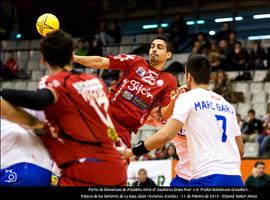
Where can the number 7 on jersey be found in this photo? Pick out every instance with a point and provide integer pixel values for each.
(224, 125)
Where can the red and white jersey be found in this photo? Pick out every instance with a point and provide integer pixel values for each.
(139, 89)
(81, 112)
(182, 167)
(210, 127)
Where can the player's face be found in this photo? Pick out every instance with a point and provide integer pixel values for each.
(158, 52)
(260, 169)
(142, 176)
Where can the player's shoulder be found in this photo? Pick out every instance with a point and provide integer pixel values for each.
(169, 79)
(53, 80)
(185, 97)
(125, 57)
(220, 99)
(215, 95)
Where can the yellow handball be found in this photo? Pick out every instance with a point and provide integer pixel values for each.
(47, 23)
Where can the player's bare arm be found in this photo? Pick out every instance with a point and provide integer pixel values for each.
(167, 111)
(97, 62)
(19, 116)
(164, 135)
(240, 145)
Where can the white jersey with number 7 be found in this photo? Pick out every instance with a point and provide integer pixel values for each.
(210, 127)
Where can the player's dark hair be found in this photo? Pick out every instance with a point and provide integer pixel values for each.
(259, 163)
(252, 111)
(237, 42)
(199, 68)
(142, 170)
(166, 40)
(57, 48)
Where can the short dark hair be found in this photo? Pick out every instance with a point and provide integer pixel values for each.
(252, 111)
(259, 163)
(142, 170)
(168, 42)
(57, 48)
(237, 42)
(199, 68)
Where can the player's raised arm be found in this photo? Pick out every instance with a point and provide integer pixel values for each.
(167, 111)
(97, 62)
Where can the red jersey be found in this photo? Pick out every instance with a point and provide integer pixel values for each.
(81, 113)
(140, 89)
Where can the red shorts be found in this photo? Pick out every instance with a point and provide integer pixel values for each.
(94, 174)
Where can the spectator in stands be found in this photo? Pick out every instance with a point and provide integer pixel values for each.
(267, 76)
(232, 39)
(257, 56)
(239, 58)
(224, 54)
(95, 48)
(258, 177)
(115, 32)
(214, 56)
(81, 48)
(171, 153)
(162, 32)
(109, 75)
(239, 121)
(264, 139)
(197, 48)
(160, 153)
(252, 128)
(223, 85)
(144, 180)
(202, 39)
(103, 36)
(224, 33)
(10, 68)
(178, 31)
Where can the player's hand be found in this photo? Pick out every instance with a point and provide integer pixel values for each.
(182, 89)
(48, 129)
(156, 115)
(126, 153)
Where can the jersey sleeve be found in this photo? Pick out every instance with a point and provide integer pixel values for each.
(51, 83)
(183, 106)
(122, 61)
(45, 83)
(166, 98)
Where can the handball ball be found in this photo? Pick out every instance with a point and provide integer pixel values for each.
(47, 23)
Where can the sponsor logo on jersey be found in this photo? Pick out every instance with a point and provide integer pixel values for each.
(123, 57)
(141, 71)
(139, 88)
(160, 82)
(127, 95)
(137, 101)
(150, 77)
